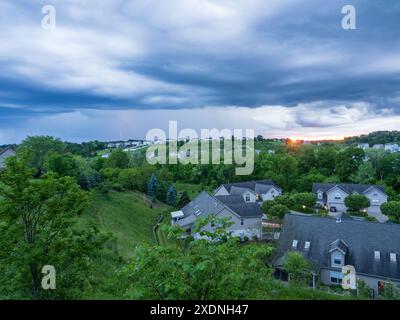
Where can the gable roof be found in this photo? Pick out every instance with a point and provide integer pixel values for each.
(237, 204)
(361, 237)
(203, 205)
(3, 150)
(252, 185)
(349, 188)
(338, 244)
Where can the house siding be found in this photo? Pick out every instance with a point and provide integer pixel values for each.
(251, 226)
(6, 154)
(370, 281)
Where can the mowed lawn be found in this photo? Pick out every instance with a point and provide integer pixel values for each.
(127, 215)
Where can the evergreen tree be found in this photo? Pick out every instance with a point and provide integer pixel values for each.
(170, 199)
(152, 187)
(183, 199)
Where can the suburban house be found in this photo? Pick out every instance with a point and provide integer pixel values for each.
(392, 147)
(4, 154)
(332, 195)
(251, 191)
(363, 146)
(378, 146)
(372, 248)
(241, 202)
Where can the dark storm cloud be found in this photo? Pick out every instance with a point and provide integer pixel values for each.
(193, 54)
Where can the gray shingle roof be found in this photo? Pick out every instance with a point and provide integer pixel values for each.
(250, 184)
(347, 187)
(203, 205)
(237, 204)
(363, 239)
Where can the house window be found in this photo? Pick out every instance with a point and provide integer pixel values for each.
(247, 197)
(337, 196)
(336, 277)
(377, 255)
(375, 200)
(337, 258)
(294, 244)
(320, 195)
(393, 257)
(241, 221)
(307, 245)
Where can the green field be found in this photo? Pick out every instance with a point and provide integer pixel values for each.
(127, 215)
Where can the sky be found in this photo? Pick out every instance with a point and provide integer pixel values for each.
(114, 69)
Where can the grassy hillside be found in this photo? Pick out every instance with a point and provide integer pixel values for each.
(126, 214)
(192, 189)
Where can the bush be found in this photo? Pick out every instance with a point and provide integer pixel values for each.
(357, 213)
(105, 187)
(117, 186)
(391, 208)
(356, 202)
(128, 179)
(267, 206)
(373, 219)
(304, 199)
(279, 211)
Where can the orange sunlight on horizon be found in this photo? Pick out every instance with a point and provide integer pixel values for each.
(322, 137)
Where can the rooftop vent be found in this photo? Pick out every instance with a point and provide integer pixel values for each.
(377, 255)
(294, 244)
(393, 257)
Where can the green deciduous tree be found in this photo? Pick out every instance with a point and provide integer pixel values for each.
(304, 199)
(35, 149)
(117, 159)
(391, 208)
(348, 161)
(37, 224)
(201, 269)
(298, 267)
(356, 202)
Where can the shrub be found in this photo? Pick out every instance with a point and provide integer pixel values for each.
(128, 178)
(304, 199)
(279, 211)
(356, 202)
(391, 208)
(117, 186)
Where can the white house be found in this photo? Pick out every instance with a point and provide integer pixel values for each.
(251, 191)
(392, 147)
(4, 154)
(331, 195)
(363, 146)
(241, 202)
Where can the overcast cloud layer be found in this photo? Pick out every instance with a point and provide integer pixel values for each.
(282, 67)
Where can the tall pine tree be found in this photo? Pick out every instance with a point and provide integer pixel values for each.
(183, 199)
(152, 187)
(171, 196)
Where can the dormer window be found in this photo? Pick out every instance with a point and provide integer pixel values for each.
(393, 257)
(294, 243)
(247, 197)
(307, 245)
(377, 255)
(337, 258)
